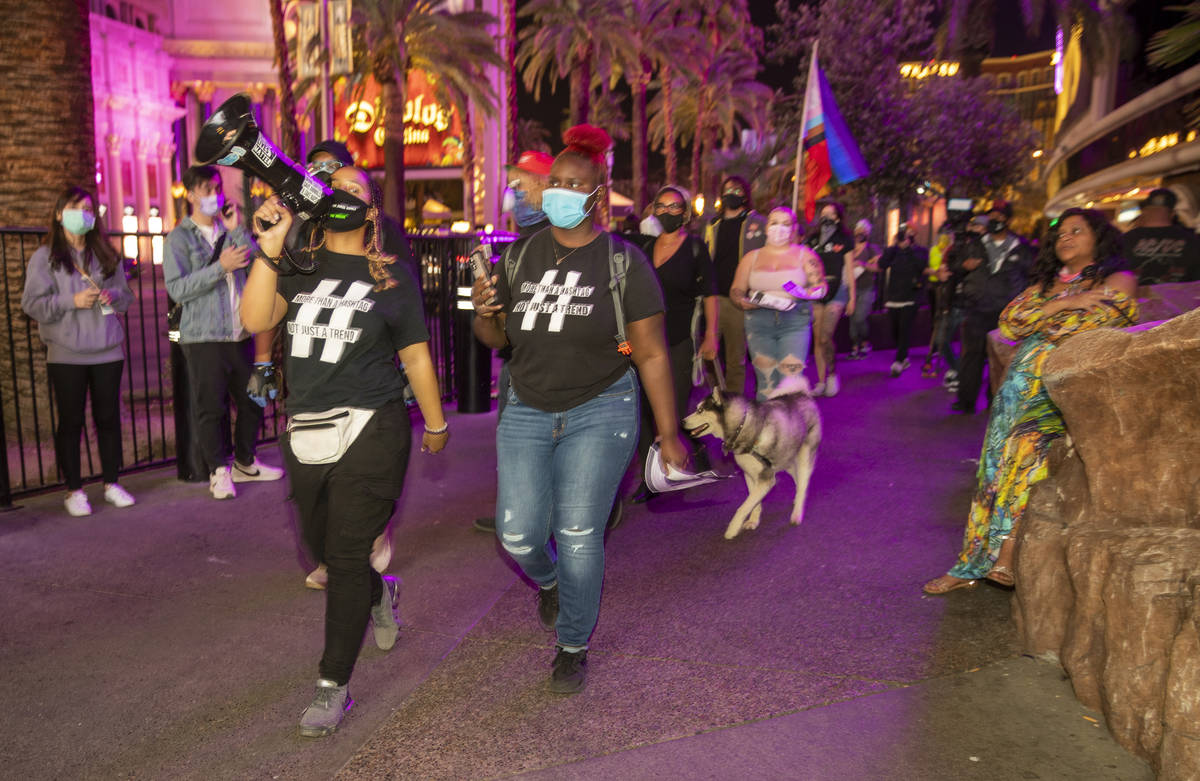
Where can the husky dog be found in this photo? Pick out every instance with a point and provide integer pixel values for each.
(780, 434)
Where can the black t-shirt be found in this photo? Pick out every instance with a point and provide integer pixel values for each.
(561, 321)
(1170, 253)
(688, 273)
(832, 252)
(728, 251)
(342, 335)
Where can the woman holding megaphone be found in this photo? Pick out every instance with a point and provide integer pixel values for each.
(349, 436)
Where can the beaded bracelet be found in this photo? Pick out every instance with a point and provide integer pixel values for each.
(445, 427)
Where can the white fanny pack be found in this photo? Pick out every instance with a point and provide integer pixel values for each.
(324, 437)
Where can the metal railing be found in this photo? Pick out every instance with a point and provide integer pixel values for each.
(150, 426)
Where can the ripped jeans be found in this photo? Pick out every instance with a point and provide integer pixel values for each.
(559, 473)
(778, 343)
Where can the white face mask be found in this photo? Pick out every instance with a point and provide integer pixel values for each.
(779, 235)
(210, 205)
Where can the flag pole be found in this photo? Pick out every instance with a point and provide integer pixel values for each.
(796, 205)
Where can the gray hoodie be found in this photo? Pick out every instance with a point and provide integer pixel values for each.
(73, 335)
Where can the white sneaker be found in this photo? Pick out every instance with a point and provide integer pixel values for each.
(381, 552)
(221, 484)
(318, 578)
(256, 471)
(77, 504)
(818, 389)
(832, 385)
(118, 496)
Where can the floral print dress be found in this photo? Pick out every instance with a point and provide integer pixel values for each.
(1024, 420)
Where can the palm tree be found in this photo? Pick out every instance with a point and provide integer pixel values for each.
(722, 91)
(454, 49)
(712, 108)
(290, 132)
(1176, 45)
(46, 54)
(657, 34)
(509, 19)
(569, 39)
(531, 134)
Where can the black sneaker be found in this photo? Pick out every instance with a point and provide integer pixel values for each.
(547, 606)
(487, 524)
(570, 672)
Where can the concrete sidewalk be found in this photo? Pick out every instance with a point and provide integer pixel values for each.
(175, 639)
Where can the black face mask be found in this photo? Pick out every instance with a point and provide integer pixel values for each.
(669, 222)
(997, 226)
(828, 222)
(733, 201)
(348, 213)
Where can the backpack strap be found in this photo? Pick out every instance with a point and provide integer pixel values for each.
(511, 265)
(618, 267)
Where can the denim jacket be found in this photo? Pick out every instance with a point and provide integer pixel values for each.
(203, 288)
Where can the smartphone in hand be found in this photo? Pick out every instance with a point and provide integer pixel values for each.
(481, 265)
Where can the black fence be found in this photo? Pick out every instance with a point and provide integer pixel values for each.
(154, 422)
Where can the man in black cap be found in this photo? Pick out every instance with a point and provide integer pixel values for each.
(988, 284)
(1159, 248)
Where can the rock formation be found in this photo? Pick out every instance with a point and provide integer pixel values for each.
(1108, 564)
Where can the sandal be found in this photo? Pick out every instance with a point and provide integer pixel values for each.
(945, 584)
(1002, 576)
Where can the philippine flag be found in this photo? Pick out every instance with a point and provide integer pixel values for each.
(826, 146)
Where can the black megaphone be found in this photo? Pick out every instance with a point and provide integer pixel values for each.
(231, 137)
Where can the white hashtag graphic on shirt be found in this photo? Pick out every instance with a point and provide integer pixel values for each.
(337, 333)
(534, 306)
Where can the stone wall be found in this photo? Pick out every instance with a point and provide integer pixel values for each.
(1108, 563)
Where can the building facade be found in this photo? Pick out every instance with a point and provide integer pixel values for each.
(160, 67)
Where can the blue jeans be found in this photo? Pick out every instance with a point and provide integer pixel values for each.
(949, 325)
(778, 344)
(859, 330)
(559, 473)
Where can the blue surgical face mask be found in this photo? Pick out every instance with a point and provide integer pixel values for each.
(526, 215)
(78, 221)
(210, 205)
(565, 208)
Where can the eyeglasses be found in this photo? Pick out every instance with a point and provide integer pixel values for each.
(674, 208)
(324, 167)
(1071, 233)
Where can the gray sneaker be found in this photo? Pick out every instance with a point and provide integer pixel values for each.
(328, 707)
(383, 615)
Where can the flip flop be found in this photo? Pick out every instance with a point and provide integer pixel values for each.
(945, 584)
(1002, 576)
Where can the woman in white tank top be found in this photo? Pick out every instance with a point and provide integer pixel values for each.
(776, 285)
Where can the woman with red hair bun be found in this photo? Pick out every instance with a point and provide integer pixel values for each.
(582, 310)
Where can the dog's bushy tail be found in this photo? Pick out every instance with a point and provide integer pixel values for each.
(795, 383)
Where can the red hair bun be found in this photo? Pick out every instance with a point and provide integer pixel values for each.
(589, 141)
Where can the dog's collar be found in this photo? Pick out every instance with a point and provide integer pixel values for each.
(737, 431)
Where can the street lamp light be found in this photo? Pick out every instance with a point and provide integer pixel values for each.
(154, 224)
(129, 226)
